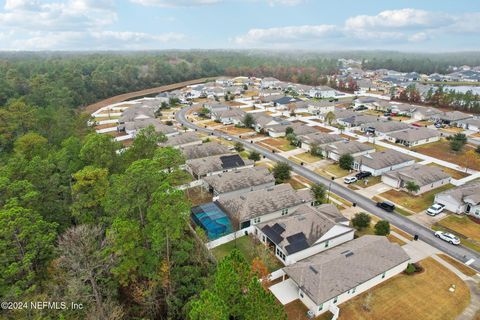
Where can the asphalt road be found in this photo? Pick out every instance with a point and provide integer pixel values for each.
(459, 252)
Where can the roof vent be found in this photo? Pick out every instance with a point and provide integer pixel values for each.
(243, 198)
(348, 254)
(313, 270)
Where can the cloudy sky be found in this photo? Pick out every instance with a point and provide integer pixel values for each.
(426, 25)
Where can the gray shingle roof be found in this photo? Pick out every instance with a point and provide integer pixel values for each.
(204, 150)
(139, 124)
(467, 191)
(136, 112)
(348, 147)
(303, 228)
(320, 138)
(415, 134)
(236, 180)
(332, 272)
(180, 139)
(453, 116)
(216, 163)
(420, 174)
(386, 126)
(260, 202)
(383, 159)
(357, 120)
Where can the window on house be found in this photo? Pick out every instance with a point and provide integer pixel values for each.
(326, 244)
(353, 290)
(335, 300)
(301, 294)
(320, 307)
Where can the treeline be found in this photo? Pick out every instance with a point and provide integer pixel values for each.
(440, 97)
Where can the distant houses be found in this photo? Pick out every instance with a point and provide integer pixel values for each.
(463, 199)
(414, 136)
(212, 165)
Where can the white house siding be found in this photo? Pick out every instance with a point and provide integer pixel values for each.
(216, 172)
(416, 143)
(336, 157)
(276, 134)
(358, 290)
(320, 110)
(394, 183)
(217, 195)
(432, 186)
(270, 216)
(450, 203)
(321, 245)
(378, 172)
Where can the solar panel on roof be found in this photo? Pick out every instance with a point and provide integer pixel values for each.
(278, 228)
(296, 237)
(297, 246)
(232, 161)
(272, 235)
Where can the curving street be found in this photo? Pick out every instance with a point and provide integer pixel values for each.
(459, 252)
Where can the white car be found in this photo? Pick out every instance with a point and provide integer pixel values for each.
(435, 209)
(448, 237)
(228, 138)
(349, 180)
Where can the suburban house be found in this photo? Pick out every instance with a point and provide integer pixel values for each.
(402, 109)
(339, 114)
(258, 206)
(335, 150)
(425, 113)
(414, 136)
(285, 101)
(279, 130)
(211, 165)
(239, 181)
(368, 102)
(269, 82)
(224, 81)
(334, 276)
(470, 124)
(382, 161)
(451, 117)
(182, 140)
(228, 116)
(356, 120)
(320, 107)
(309, 230)
(262, 121)
(318, 138)
(425, 177)
(322, 92)
(133, 127)
(382, 128)
(461, 199)
(204, 150)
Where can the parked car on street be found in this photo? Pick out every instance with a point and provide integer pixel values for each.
(387, 206)
(448, 237)
(435, 209)
(349, 180)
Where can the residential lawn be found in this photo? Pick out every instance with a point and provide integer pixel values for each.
(209, 123)
(455, 174)
(400, 118)
(368, 182)
(247, 109)
(295, 183)
(244, 154)
(304, 180)
(462, 225)
(296, 310)
(466, 270)
(421, 296)
(308, 157)
(322, 129)
(250, 248)
(394, 239)
(376, 146)
(106, 125)
(234, 130)
(339, 199)
(452, 129)
(401, 232)
(423, 123)
(278, 143)
(234, 103)
(441, 150)
(106, 118)
(198, 195)
(332, 170)
(414, 203)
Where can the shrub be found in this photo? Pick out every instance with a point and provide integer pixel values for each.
(346, 162)
(411, 269)
(361, 220)
(382, 228)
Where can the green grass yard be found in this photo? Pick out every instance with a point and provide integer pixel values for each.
(250, 248)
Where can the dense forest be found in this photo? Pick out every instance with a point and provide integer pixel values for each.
(81, 222)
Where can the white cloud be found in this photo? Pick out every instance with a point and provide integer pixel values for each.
(403, 18)
(286, 34)
(176, 3)
(285, 2)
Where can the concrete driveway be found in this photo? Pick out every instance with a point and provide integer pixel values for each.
(285, 291)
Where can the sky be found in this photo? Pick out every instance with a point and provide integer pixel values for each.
(404, 25)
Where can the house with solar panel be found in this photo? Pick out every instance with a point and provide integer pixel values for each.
(326, 279)
(307, 231)
(212, 165)
(259, 206)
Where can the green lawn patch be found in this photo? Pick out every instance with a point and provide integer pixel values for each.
(250, 248)
(332, 170)
(308, 157)
(414, 203)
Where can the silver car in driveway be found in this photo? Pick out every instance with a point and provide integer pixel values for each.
(448, 237)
